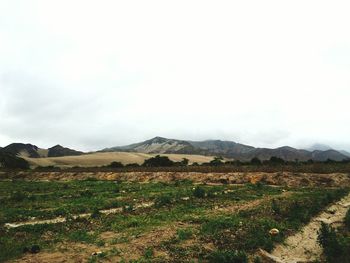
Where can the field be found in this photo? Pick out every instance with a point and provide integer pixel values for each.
(139, 217)
(105, 158)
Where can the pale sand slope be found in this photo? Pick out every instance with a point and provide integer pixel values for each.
(303, 246)
(98, 159)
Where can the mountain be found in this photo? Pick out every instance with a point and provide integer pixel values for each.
(27, 150)
(58, 150)
(319, 147)
(11, 161)
(33, 151)
(227, 149)
(156, 145)
(345, 153)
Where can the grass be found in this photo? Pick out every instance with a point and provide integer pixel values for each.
(335, 242)
(188, 213)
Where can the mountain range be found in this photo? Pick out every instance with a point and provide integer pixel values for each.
(228, 149)
(160, 145)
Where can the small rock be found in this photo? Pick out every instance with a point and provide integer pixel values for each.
(96, 253)
(274, 232)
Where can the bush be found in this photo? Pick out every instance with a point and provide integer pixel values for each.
(184, 234)
(199, 192)
(328, 240)
(18, 196)
(255, 161)
(217, 161)
(158, 161)
(96, 214)
(115, 165)
(162, 200)
(347, 220)
(228, 257)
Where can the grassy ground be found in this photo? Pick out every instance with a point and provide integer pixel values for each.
(222, 223)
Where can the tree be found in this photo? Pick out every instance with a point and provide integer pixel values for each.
(255, 161)
(216, 161)
(276, 160)
(116, 165)
(184, 161)
(158, 161)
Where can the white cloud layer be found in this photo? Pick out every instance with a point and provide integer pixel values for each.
(92, 74)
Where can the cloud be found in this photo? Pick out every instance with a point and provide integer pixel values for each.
(92, 74)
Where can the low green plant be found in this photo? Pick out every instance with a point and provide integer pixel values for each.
(184, 234)
(225, 256)
(163, 200)
(347, 220)
(199, 192)
(329, 241)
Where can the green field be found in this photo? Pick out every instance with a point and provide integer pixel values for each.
(152, 222)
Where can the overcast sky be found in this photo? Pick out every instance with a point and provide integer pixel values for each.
(95, 74)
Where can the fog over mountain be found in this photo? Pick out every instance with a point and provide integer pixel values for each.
(93, 74)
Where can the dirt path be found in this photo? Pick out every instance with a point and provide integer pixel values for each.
(63, 219)
(303, 246)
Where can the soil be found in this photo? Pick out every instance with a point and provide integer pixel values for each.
(303, 246)
(279, 178)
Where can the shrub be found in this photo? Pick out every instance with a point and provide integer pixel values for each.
(162, 200)
(328, 240)
(199, 192)
(255, 161)
(347, 220)
(158, 161)
(184, 234)
(18, 196)
(217, 161)
(275, 207)
(215, 225)
(115, 165)
(228, 257)
(96, 214)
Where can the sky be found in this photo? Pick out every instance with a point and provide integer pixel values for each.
(93, 74)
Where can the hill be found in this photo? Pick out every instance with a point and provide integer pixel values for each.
(105, 158)
(58, 150)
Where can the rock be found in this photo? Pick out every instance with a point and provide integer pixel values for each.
(96, 253)
(274, 232)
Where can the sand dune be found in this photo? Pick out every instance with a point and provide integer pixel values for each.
(104, 158)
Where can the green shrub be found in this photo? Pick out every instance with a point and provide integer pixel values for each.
(158, 161)
(275, 207)
(216, 225)
(228, 257)
(96, 214)
(149, 252)
(199, 192)
(18, 196)
(184, 234)
(328, 240)
(115, 165)
(347, 220)
(163, 200)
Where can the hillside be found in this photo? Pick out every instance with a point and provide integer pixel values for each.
(58, 150)
(227, 149)
(105, 158)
